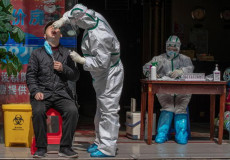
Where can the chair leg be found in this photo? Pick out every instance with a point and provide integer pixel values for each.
(52, 138)
(33, 147)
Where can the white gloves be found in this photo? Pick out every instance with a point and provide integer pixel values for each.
(176, 73)
(77, 58)
(59, 23)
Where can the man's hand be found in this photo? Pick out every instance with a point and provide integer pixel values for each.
(39, 96)
(77, 58)
(58, 66)
(176, 73)
(59, 23)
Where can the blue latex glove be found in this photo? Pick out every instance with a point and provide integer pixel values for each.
(48, 49)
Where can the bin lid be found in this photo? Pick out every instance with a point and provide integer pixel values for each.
(16, 107)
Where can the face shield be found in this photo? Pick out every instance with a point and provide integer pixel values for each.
(83, 17)
(69, 30)
(78, 12)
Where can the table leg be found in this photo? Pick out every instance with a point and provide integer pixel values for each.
(212, 115)
(143, 111)
(221, 118)
(150, 112)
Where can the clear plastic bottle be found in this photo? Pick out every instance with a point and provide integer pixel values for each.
(216, 74)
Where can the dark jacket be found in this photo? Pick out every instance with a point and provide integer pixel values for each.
(41, 76)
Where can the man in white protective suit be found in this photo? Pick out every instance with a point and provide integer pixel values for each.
(101, 50)
(172, 65)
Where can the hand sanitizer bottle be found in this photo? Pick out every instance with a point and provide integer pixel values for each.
(216, 74)
(153, 75)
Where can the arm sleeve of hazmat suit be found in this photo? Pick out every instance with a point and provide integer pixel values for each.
(101, 60)
(67, 15)
(160, 63)
(62, 21)
(187, 65)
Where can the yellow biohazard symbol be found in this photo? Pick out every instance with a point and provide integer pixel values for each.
(18, 120)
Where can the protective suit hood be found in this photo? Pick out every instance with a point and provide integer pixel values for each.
(173, 41)
(82, 16)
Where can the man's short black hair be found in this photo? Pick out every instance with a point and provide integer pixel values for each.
(47, 25)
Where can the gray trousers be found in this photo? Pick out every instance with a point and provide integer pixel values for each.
(174, 103)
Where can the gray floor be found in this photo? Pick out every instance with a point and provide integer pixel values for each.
(197, 148)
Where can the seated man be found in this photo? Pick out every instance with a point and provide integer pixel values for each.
(172, 65)
(49, 69)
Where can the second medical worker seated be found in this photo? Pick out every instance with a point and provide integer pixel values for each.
(172, 65)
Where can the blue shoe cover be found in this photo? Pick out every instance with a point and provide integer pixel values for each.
(92, 148)
(98, 153)
(180, 122)
(164, 123)
(161, 137)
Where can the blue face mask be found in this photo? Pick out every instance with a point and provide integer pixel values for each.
(171, 53)
(48, 49)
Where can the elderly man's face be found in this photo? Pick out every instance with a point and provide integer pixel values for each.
(52, 33)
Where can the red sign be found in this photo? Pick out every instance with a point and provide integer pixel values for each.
(13, 89)
(31, 16)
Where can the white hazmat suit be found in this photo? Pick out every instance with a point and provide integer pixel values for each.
(101, 50)
(172, 65)
(168, 65)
